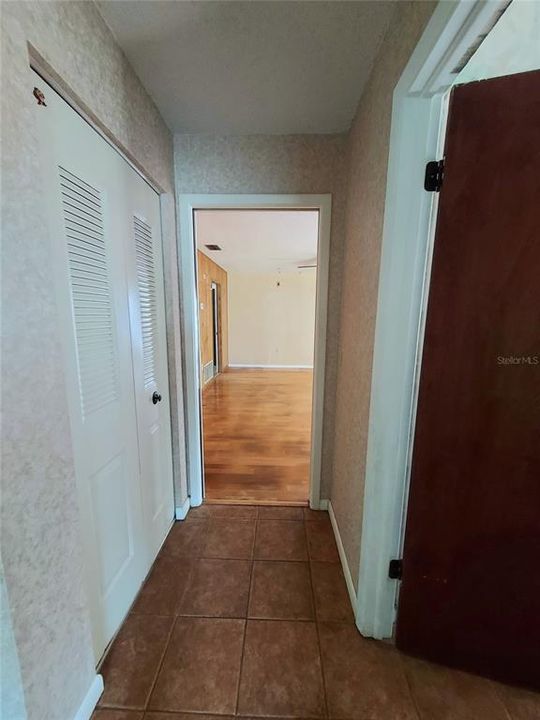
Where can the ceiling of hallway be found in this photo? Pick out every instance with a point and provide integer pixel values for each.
(259, 240)
(251, 67)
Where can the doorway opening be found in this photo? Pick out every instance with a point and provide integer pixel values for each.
(256, 284)
(201, 386)
(216, 332)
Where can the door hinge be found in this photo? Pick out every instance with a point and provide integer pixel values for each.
(395, 569)
(433, 179)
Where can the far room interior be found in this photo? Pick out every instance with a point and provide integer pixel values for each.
(256, 281)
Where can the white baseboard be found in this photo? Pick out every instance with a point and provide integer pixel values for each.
(90, 699)
(272, 367)
(323, 504)
(181, 512)
(343, 558)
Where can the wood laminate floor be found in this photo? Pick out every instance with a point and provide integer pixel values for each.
(257, 436)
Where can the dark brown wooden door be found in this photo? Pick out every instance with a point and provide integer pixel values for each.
(470, 595)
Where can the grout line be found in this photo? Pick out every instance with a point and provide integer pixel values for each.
(323, 678)
(259, 559)
(241, 661)
(180, 600)
(201, 713)
(160, 664)
(190, 560)
(278, 619)
(247, 615)
(409, 687)
(500, 697)
(252, 617)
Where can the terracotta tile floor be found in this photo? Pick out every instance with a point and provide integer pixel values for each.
(246, 613)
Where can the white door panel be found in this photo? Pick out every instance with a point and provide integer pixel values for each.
(91, 196)
(149, 360)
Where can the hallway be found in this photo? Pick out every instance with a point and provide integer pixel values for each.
(358, 177)
(257, 430)
(246, 613)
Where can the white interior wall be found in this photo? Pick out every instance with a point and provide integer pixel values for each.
(272, 318)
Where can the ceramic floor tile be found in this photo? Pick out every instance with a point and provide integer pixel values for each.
(316, 515)
(133, 660)
(233, 512)
(183, 716)
(321, 542)
(280, 540)
(521, 704)
(281, 590)
(365, 679)
(107, 714)
(217, 588)
(230, 539)
(445, 694)
(332, 600)
(281, 670)
(165, 586)
(186, 538)
(281, 673)
(201, 512)
(201, 667)
(280, 512)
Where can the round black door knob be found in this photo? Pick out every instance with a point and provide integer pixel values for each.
(156, 397)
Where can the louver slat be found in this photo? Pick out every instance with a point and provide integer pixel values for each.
(147, 298)
(90, 292)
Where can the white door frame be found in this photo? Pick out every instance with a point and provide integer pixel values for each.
(419, 113)
(187, 204)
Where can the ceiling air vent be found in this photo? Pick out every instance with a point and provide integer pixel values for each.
(212, 247)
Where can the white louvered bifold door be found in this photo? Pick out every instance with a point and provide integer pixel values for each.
(148, 332)
(95, 224)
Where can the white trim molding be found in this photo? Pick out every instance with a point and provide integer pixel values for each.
(343, 557)
(417, 135)
(90, 700)
(187, 205)
(181, 511)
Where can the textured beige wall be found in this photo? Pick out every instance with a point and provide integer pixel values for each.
(368, 147)
(11, 691)
(278, 164)
(272, 318)
(39, 517)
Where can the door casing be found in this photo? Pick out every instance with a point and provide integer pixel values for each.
(418, 127)
(187, 205)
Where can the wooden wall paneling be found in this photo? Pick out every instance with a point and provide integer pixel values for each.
(208, 272)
